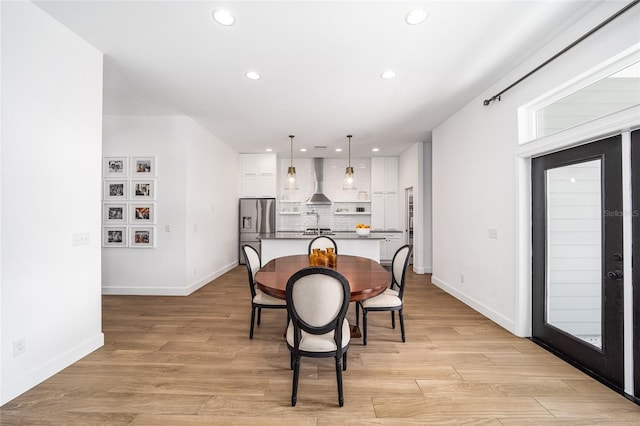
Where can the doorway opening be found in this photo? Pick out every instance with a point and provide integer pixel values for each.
(408, 229)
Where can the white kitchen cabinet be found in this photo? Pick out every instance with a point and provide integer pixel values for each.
(391, 175)
(258, 164)
(267, 164)
(377, 175)
(390, 243)
(377, 212)
(258, 186)
(391, 216)
(258, 175)
(384, 175)
(384, 194)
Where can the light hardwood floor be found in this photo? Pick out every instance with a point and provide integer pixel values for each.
(189, 360)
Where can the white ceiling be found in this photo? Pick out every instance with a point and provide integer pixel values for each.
(320, 64)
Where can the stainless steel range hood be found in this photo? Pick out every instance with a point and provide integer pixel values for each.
(318, 198)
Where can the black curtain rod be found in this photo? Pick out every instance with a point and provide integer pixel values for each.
(602, 24)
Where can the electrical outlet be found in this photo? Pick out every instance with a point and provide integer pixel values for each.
(19, 347)
(493, 233)
(167, 228)
(195, 271)
(461, 278)
(80, 238)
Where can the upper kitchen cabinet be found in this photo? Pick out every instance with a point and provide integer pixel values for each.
(384, 175)
(258, 175)
(384, 194)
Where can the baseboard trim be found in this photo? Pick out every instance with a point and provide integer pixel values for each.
(206, 280)
(494, 316)
(124, 290)
(50, 368)
(422, 269)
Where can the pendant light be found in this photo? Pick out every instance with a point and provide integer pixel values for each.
(349, 184)
(291, 183)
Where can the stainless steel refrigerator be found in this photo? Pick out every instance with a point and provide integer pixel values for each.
(257, 217)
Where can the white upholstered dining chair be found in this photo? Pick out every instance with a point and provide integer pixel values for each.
(317, 303)
(392, 299)
(259, 299)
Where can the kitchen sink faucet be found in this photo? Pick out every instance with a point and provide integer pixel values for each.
(314, 213)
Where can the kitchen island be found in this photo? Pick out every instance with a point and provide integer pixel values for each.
(295, 242)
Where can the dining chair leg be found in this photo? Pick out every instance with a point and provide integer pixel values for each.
(253, 318)
(344, 361)
(339, 380)
(401, 325)
(364, 326)
(259, 315)
(296, 374)
(393, 320)
(357, 314)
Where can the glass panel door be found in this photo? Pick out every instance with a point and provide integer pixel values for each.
(574, 256)
(577, 309)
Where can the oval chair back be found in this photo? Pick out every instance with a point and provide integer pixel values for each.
(399, 268)
(322, 242)
(253, 263)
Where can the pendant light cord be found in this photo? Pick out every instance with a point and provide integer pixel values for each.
(291, 156)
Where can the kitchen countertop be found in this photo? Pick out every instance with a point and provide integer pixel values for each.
(298, 235)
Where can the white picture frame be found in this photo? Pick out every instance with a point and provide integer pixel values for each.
(143, 213)
(114, 236)
(115, 167)
(143, 189)
(143, 167)
(115, 213)
(142, 237)
(116, 189)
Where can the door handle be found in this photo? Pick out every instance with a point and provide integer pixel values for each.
(617, 257)
(615, 275)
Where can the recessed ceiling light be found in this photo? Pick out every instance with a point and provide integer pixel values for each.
(387, 75)
(252, 75)
(375, 149)
(223, 17)
(416, 16)
(269, 150)
(303, 149)
(338, 149)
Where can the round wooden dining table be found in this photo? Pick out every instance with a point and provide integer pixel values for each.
(367, 278)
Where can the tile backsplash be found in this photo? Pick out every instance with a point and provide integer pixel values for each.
(341, 214)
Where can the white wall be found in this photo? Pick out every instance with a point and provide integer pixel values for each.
(212, 208)
(194, 199)
(475, 174)
(51, 150)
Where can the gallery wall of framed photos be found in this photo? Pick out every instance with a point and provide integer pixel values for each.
(128, 207)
